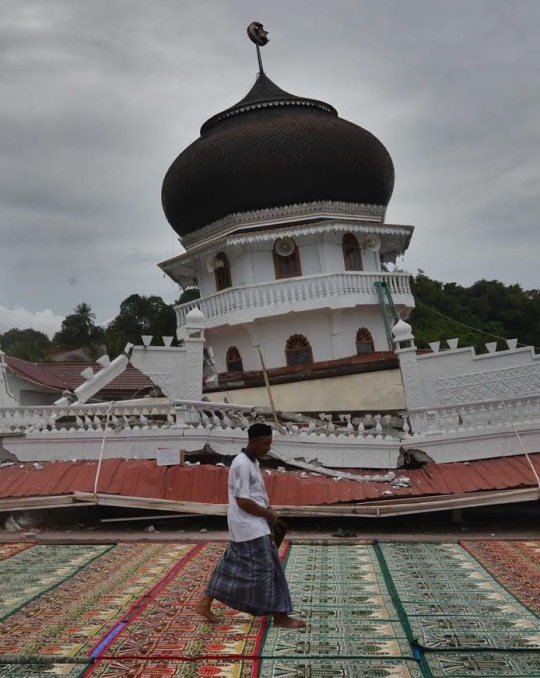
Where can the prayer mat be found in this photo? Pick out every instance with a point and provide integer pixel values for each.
(167, 626)
(42, 670)
(338, 668)
(152, 668)
(483, 664)
(8, 549)
(314, 668)
(69, 620)
(514, 564)
(30, 573)
(448, 575)
(361, 621)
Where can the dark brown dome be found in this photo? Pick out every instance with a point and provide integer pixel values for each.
(274, 149)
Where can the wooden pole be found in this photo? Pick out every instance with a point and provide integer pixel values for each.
(268, 390)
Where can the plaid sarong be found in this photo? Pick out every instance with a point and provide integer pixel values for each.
(250, 578)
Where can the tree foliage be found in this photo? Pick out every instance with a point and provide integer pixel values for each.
(27, 344)
(78, 329)
(143, 315)
(443, 310)
(189, 294)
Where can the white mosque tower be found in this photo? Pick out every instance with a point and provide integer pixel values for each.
(280, 205)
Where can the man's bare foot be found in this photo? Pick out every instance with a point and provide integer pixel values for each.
(204, 610)
(284, 621)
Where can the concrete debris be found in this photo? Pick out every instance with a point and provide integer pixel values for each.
(331, 472)
(401, 482)
(21, 522)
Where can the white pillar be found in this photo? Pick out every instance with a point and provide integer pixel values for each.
(194, 343)
(408, 364)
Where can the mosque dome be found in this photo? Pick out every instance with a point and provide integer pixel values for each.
(272, 150)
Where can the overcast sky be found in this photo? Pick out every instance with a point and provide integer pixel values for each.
(98, 97)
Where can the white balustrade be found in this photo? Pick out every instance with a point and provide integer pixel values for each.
(488, 415)
(275, 294)
(80, 419)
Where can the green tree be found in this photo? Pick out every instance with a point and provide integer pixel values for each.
(78, 329)
(189, 294)
(143, 315)
(446, 310)
(27, 344)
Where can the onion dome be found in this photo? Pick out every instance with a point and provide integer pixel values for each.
(272, 150)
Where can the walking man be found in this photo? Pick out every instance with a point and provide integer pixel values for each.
(249, 577)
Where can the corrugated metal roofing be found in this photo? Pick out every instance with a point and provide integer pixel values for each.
(131, 379)
(35, 372)
(61, 376)
(208, 483)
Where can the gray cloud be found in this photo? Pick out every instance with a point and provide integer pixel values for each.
(99, 97)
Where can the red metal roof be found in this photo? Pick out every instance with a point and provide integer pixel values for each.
(131, 379)
(208, 483)
(36, 373)
(61, 376)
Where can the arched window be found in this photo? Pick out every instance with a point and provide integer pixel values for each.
(234, 360)
(222, 272)
(351, 253)
(364, 341)
(298, 350)
(287, 266)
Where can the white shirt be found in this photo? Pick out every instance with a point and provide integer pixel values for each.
(246, 481)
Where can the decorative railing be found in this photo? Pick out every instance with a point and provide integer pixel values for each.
(271, 295)
(80, 419)
(485, 416)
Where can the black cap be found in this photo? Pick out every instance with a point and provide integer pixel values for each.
(259, 431)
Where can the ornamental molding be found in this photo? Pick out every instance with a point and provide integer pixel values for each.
(291, 232)
(273, 215)
(236, 110)
(409, 371)
(315, 229)
(513, 382)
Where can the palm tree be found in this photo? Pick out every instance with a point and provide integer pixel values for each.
(88, 317)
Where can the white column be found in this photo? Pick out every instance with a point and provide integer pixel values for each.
(194, 344)
(408, 365)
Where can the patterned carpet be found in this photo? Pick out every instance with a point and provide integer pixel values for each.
(30, 573)
(353, 627)
(446, 573)
(392, 610)
(514, 564)
(69, 620)
(9, 549)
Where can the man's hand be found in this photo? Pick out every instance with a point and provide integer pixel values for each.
(272, 518)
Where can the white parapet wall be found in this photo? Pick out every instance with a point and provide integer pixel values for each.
(471, 445)
(55, 434)
(485, 430)
(177, 371)
(460, 377)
